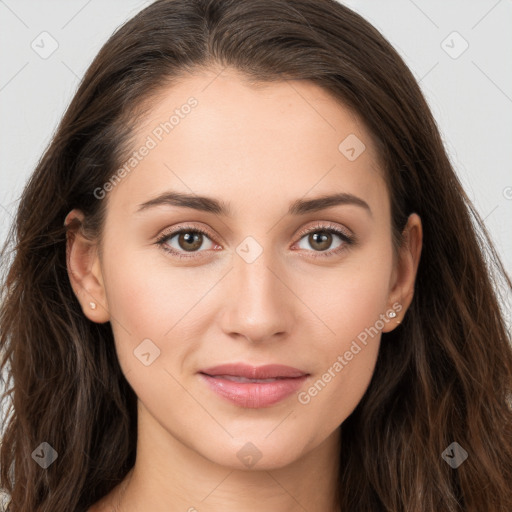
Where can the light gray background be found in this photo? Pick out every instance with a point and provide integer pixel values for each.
(471, 95)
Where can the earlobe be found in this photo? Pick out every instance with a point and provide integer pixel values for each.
(84, 269)
(409, 254)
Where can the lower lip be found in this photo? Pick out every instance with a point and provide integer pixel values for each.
(253, 394)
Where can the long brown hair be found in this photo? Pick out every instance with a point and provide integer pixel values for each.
(443, 376)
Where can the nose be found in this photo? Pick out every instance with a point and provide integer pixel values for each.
(260, 304)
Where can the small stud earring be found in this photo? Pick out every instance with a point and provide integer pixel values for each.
(392, 314)
(92, 305)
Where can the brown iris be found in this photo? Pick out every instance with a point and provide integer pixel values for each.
(190, 240)
(320, 240)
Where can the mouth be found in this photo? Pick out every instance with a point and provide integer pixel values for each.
(253, 387)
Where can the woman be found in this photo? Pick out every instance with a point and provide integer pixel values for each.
(246, 277)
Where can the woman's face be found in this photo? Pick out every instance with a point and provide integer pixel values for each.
(281, 276)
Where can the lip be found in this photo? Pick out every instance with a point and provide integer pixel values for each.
(269, 371)
(253, 395)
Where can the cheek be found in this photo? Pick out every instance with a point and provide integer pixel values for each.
(148, 296)
(146, 302)
(350, 302)
(338, 388)
(350, 298)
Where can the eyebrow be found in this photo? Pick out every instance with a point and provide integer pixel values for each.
(211, 205)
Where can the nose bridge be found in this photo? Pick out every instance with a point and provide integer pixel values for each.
(260, 305)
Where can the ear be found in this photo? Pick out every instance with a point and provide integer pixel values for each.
(404, 273)
(84, 269)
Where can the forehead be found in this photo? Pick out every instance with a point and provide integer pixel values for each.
(217, 134)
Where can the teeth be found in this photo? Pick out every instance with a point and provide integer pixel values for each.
(243, 379)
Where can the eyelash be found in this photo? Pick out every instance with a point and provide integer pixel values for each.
(348, 240)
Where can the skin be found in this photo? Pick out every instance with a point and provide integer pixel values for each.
(258, 149)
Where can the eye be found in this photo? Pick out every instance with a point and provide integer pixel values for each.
(321, 237)
(187, 239)
(191, 239)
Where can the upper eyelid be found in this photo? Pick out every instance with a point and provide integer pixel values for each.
(328, 226)
(180, 229)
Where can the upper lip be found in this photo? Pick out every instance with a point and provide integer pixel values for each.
(254, 372)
